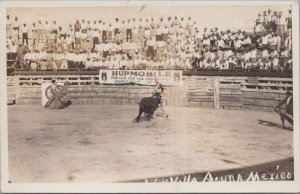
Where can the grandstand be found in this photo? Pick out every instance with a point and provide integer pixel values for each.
(168, 42)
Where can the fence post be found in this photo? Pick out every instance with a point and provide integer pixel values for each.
(216, 93)
(17, 88)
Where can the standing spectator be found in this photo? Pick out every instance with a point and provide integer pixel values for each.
(54, 28)
(69, 41)
(51, 41)
(95, 35)
(269, 21)
(110, 33)
(129, 30)
(16, 29)
(288, 41)
(265, 20)
(190, 26)
(40, 32)
(104, 32)
(289, 20)
(21, 51)
(25, 31)
(83, 25)
(274, 21)
(8, 25)
(123, 29)
(77, 26)
(117, 26)
(151, 44)
(34, 34)
(280, 25)
(77, 30)
(47, 30)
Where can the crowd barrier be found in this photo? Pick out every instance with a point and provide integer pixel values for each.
(221, 92)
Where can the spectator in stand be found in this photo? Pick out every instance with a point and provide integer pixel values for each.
(40, 32)
(9, 29)
(269, 21)
(47, 31)
(51, 41)
(21, 51)
(25, 31)
(288, 20)
(280, 25)
(274, 21)
(16, 29)
(50, 59)
(54, 28)
(288, 39)
(258, 28)
(34, 34)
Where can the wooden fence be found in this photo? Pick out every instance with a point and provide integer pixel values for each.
(252, 93)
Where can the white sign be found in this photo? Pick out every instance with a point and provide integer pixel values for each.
(144, 77)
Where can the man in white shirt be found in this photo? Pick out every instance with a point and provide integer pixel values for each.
(269, 20)
(34, 34)
(104, 32)
(25, 31)
(151, 48)
(54, 27)
(275, 64)
(8, 25)
(247, 42)
(190, 26)
(16, 30)
(265, 41)
(258, 28)
(47, 30)
(115, 63)
(280, 22)
(129, 31)
(110, 33)
(265, 54)
(40, 32)
(83, 25)
(116, 26)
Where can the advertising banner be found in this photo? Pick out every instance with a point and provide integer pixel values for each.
(143, 77)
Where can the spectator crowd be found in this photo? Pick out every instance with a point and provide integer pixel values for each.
(150, 43)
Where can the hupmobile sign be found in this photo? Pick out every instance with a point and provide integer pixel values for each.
(144, 77)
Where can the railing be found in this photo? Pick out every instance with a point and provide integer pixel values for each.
(239, 73)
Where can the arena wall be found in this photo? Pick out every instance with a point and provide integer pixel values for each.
(222, 92)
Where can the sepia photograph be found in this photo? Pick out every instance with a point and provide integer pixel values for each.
(149, 96)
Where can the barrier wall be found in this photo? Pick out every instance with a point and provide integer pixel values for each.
(250, 93)
(115, 95)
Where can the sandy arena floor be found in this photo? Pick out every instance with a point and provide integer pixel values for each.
(101, 143)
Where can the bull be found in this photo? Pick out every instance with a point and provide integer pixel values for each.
(148, 105)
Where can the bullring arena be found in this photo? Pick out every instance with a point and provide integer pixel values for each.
(219, 71)
(97, 140)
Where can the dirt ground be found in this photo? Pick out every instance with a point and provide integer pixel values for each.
(101, 143)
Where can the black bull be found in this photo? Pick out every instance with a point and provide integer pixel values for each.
(148, 105)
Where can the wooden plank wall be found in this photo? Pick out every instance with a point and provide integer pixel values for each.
(265, 94)
(253, 93)
(200, 91)
(230, 95)
(107, 95)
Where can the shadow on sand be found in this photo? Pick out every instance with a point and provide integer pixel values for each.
(271, 124)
